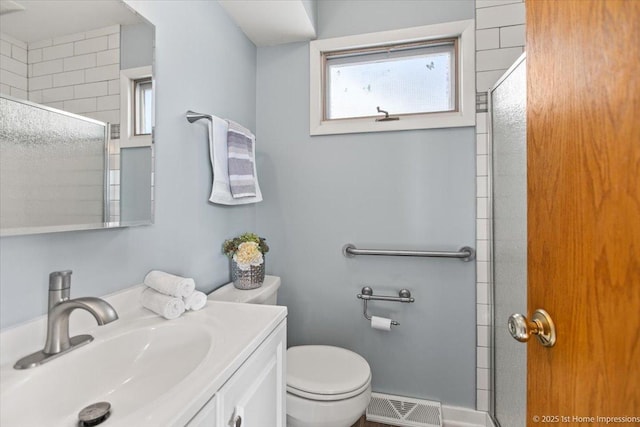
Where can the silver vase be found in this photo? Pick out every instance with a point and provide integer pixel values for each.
(247, 279)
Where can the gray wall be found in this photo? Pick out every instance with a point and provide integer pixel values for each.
(412, 189)
(188, 233)
(135, 184)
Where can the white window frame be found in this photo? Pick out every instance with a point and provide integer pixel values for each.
(128, 138)
(464, 31)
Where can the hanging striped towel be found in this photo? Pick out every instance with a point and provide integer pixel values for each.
(240, 153)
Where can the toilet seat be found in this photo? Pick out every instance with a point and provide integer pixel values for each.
(326, 373)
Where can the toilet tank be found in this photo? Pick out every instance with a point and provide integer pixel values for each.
(266, 294)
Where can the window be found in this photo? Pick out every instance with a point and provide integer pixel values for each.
(424, 76)
(136, 107)
(142, 106)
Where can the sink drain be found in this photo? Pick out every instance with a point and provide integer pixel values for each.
(94, 414)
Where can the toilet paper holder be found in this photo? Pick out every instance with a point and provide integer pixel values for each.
(366, 295)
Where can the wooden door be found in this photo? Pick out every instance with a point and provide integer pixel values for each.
(583, 136)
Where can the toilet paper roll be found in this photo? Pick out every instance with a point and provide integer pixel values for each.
(381, 323)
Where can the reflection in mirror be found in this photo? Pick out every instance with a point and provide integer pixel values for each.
(66, 66)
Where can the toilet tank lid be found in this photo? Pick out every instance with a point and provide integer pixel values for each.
(326, 370)
(229, 293)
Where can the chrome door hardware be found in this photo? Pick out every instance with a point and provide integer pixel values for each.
(540, 325)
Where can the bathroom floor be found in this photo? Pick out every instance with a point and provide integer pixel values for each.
(362, 422)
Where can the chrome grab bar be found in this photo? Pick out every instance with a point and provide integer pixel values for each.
(465, 253)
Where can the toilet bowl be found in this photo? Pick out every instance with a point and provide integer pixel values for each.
(326, 386)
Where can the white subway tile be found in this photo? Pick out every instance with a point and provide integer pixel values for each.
(19, 54)
(80, 62)
(14, 80)
(91, 45)
(48, 67)
(34, 55)
(483, 336)
(42, 82)
(482, 400)
(481, 143)
(5, 48)
(482, 250)
(111, 102)
(98, 74)
(512, 36)
(482, 357)
(111, 116)
(482, 165)
(114, 41)
(16, 67)
(481, 122)
(500, 16)
(5, 89)
(490, 3)
(41, 43)
(35, 96)
(483, 378)
(482, 295)
(482, 314)
(482, 272)
(482, 212)
(29, 70)
(19, 93)
(481, 186)
(497, 59)
(68, 78)
(91, 90)
(488, 39)
(56, 52)
(58, 104)
(57, 94)
(482, 232)
(107, 57)
(7, 38)
(113, 29)
(78, 106)
(69, 38)
(485, 80)
(114, 87)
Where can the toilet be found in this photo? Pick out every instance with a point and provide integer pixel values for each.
(327, 386)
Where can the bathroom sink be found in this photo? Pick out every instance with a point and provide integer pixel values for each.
(128, 369)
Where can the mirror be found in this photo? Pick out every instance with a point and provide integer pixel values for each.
(76, 116)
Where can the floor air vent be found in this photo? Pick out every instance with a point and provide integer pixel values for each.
(404, 411)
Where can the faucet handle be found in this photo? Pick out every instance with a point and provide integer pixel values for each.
(60, 280)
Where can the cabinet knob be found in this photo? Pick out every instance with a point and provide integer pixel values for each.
(237, 421)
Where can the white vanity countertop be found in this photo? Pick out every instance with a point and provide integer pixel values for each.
(235, 331)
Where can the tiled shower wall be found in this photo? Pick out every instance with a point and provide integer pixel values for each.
(13, 67)
(500, 40)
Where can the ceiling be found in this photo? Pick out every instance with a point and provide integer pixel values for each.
(44, 19)
(273, 22)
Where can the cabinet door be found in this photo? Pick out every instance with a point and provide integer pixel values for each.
(255, 395)
(207, 416)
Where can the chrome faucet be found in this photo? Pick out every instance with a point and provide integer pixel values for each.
(60, 307)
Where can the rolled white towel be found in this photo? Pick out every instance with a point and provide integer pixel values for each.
(195, 301)
(169, 284)
(166, 306)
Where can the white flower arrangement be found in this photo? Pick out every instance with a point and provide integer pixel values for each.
(247, 255)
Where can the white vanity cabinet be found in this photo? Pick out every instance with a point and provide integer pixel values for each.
(255, 395)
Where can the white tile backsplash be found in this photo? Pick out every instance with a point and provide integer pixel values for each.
(68, 78)
(488, 39)
(497, 59)
(57, 51)
(91, 45)
(80, 62)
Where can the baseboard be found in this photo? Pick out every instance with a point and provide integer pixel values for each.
(453, 416)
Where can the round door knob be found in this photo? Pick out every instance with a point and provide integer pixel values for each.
(540, 325)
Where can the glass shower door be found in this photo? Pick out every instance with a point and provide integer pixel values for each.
(509, 242)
